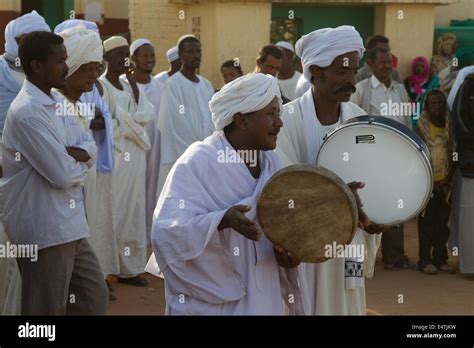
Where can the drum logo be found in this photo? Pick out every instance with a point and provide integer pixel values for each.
(365, 139)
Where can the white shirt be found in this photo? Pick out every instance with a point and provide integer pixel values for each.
(383, 100)
(162, 77)
(42, 200)
(288, 86)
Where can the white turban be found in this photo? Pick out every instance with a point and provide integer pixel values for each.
(83, 46)
(322, 46)
(285, 44)
(139, 43)
(114, 42)
(249, 93)
(172, 54)
(69, 23)
(22, 25)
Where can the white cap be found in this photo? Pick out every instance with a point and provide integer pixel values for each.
(172, 54)
(139, 43)
(114, 42)
(285, 44)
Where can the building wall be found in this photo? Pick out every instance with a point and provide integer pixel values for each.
(409, 37)
(114, 19)
(160, 22)
(463, 9)
(227, 30)
(253, 20)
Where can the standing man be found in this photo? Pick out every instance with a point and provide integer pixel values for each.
(144, 60)
(375, 95)
(11, 80)
(376, 41)
(206, 237)
(172, 55)
(46, 159)
(287, 76)
(269, 61)
(132, 109)
(184, 111)
(330, 57)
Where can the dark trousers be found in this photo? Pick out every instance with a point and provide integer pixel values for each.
(65, 280)
(433, 232)
(393, 250)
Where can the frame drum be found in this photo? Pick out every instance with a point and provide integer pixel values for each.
(304, 208)
(391, 159)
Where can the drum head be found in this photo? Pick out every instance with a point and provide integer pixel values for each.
(305, 208)
(385, 156)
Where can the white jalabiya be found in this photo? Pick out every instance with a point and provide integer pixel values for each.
(105, 239)
(10, 282)
(208, 271)
(330, 291)
(301, 86)
(288, 86)
(153, 91)
(461, 76)
(184, 118)
(129, 175)
(162, 77)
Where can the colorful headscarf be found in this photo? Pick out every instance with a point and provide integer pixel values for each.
(419, 80)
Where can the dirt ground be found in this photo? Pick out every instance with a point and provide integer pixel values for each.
(441, 294)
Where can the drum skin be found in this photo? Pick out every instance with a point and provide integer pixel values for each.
(304, 208)
(391, 159)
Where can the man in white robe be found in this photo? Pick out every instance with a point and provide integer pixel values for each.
(172, 55)
(330, 59)
(207, 241)
(184, 115)
(143, 57)
(132, 109)
(287, 76)
(11, 80)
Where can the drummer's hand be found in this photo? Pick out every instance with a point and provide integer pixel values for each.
(364, 220)
(285, 258)
(235, 219)
(376, 228)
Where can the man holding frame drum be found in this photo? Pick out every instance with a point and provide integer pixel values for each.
(330, 59)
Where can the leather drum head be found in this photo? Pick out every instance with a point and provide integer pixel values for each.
(303, 208)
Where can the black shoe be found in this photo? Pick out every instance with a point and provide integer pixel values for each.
(135, 281)
(112, 297)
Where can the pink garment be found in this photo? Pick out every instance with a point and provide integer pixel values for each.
(419, 80)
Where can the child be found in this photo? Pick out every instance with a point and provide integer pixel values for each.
(435, 129)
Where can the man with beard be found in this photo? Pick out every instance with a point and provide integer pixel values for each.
(200, 222)
(330, 57)
(46, 159)
(184, 115)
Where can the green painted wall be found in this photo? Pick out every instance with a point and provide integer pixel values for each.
(53, 11)
(316, 17)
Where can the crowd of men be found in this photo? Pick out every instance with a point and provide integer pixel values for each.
(101, 159)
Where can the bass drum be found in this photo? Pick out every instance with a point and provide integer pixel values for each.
(391, 159)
